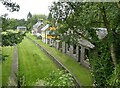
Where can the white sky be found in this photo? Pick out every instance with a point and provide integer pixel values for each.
(26, 6)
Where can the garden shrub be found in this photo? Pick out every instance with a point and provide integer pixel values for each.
(59, 78)
(115, 77)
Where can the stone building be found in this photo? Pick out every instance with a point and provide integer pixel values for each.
(79, 53)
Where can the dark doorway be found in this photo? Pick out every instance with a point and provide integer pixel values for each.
(79, 53)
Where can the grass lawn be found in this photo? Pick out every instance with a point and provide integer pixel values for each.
(82, 74)
(33, 63)
(6, 64)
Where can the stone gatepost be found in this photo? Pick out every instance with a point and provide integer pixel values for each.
(57, 44)
(63, 47)
(50, 42)
(82, 57)
(78, 53)
(67, 48)
(71, 50)
(60, 46)
(54, 43)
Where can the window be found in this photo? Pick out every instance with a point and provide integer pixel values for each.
(86, 55)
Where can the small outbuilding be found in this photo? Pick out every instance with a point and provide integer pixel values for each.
(21, 28)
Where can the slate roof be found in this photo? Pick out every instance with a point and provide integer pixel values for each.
(86, 43)
(101, 32)
(37, 25)
(45, 27)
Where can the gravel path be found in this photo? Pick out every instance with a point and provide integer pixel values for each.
(14, 69)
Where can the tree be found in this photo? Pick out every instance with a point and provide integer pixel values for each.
(83, 19)
(4, 23)
(13, 23)
(11, 6)
(10, 37)
(29, 15)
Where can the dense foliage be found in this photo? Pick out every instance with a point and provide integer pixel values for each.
(60, 78)
(9, 34)
(11, 6)
(114, 79)
(10, 37)
(8, 23)
(81, 20)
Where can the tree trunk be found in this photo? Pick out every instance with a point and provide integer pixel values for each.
(112, 51)
(110, 34)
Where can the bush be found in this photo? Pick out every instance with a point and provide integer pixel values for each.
(115, 77)
(59, 78)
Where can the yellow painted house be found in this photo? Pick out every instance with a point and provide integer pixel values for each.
(51, 29)
(47, 34)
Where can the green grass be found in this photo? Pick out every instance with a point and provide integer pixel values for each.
(33, 63)
(82, 74)
(6, 64)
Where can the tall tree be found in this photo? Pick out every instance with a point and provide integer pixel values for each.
(29, 15)
(83, 19)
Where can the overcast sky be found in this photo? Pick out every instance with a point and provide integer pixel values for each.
(26, 6)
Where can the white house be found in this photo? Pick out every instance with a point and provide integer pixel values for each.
(21, 28)
(44, 33)
(37, 28)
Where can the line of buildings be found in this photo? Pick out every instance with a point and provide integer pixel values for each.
(80, 53)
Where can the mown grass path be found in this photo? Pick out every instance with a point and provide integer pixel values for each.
(82, 74)
(7, 54)
(33, 63)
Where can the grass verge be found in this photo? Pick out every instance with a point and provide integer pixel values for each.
(7, 54)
